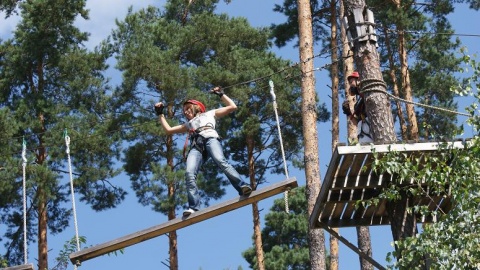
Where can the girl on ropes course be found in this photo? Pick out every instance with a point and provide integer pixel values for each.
(204, 143)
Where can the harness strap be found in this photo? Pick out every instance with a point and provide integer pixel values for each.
(196, 132)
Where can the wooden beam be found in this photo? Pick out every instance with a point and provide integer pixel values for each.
(353, 247)
(178, 223)
(19, 267)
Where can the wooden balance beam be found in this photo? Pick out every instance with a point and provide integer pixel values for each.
(19, 267)
(181, 222)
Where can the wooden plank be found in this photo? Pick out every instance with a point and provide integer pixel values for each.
(357, 164)
(354, 248)
(178, 223)
(20, 267)
(337, 212)
(407, 147)
(328, 210)
(344, 166)
(349, 209)
(342, 223)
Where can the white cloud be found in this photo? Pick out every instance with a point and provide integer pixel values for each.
(103, 14)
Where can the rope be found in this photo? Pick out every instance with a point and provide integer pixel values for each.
(272, 92)
(24, 165)
(375, 85)
(67, 143)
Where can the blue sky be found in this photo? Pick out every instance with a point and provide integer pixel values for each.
(216, 243)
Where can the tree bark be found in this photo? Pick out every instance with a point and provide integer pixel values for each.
(42, 230)
(257, 232)
(407, 88)
(363, 232)
(372, 85)
(172, 236)
(365, 245)
(309, 118)
(347, 69)
(379, 113)
(42, 198)
(393, 77)
(335, 114)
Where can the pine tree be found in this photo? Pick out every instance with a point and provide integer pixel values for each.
(50, 84)
(180, 53)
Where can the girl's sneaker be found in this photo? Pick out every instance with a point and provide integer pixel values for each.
(246, 190)
(188, 212)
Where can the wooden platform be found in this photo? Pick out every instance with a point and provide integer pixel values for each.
(349, 178)
(19, 267)
(178, 223)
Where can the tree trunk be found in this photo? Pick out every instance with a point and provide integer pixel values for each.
(310, 134)
(363, 232)
(347, 69)
(42, 200)
(365, 245)
(407, 89)
(258, 237)
(379, 113)
(372, 85)
(257, 232)
(42, 230)
(393, 77)
(335, 113)
(172, 236)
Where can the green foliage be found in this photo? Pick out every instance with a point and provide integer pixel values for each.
(167, 57)
(453, 242)
(50, 83)
(433, 64)
(63, 259)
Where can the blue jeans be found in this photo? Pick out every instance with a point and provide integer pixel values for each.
(195, 160)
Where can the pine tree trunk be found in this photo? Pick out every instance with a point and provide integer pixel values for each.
(377, 103)
(335, 113)
(379, 113)
(393, 77)
(363, 232)
(257, 232)
(407, 88)
(42, 201)
(347, 69)
(365, 245)
(42, 230)
(172, 236)
(309, 118)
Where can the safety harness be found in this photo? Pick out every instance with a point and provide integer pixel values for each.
(196, 141)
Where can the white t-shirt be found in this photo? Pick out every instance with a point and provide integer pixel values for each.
(206, 119)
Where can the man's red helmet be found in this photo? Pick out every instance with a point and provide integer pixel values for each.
(196, 102)
(353, 75)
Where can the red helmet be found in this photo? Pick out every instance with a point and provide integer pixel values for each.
(196, 102)
(353, 75)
